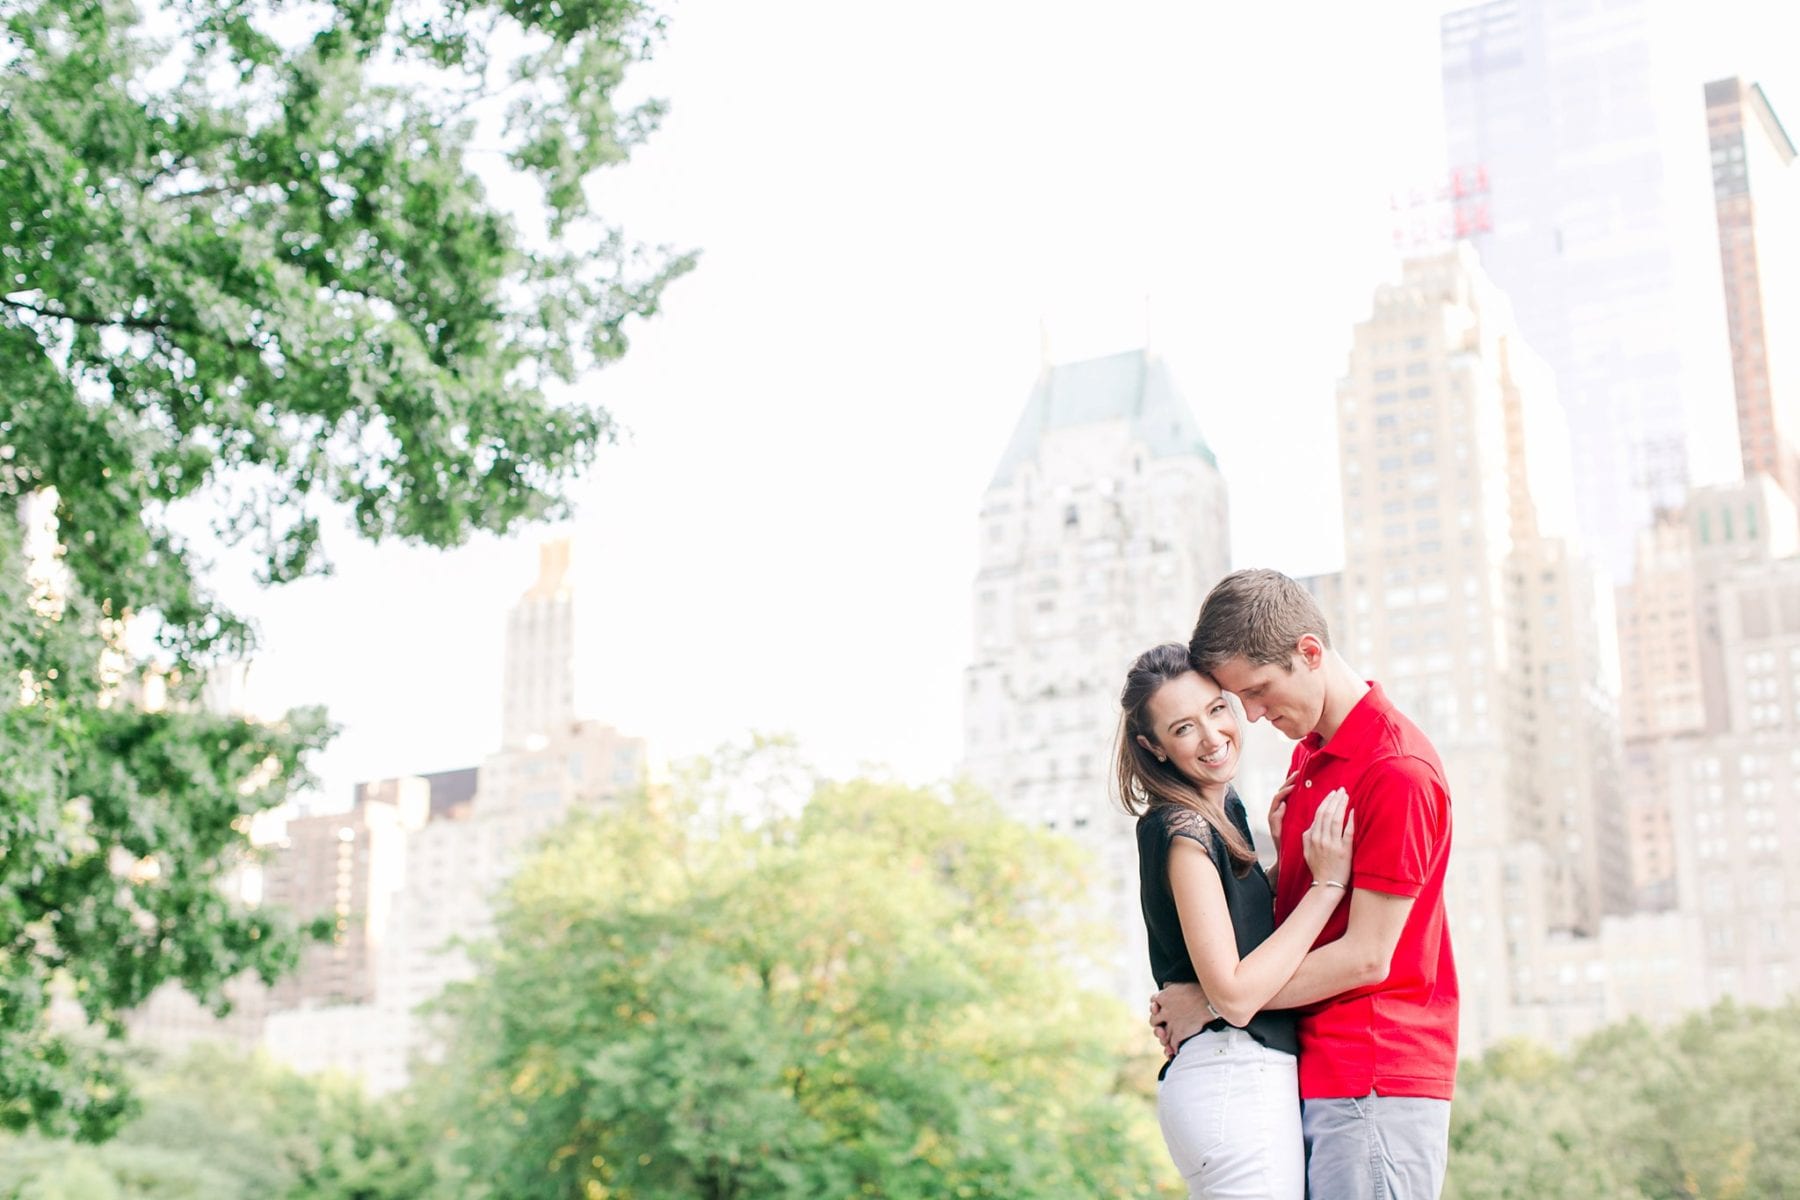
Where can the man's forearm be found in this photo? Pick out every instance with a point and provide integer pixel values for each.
(1363, 956)
(1333, 968)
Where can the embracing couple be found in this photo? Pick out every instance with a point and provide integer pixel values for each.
(1310, 1012)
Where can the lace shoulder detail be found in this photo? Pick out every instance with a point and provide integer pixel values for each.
(1185, 822)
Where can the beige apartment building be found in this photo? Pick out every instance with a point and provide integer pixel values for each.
(1659, 635)
(1677, 684)
(1468, 598)
(347, 867)
(410, 872)
(1733, 801)
(1466, 595)
(551, 765)
(1716, 785)
(457, 866)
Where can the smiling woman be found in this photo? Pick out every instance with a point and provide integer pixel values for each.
(1178, 743)
(1228, 1099)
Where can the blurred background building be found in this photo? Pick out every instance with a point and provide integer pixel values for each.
(1105, 518)
(408, 876)
(1756, 191)
(1599, 236)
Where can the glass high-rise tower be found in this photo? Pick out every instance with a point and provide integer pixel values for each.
(1584, 118)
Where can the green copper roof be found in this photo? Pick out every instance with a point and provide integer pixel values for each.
(1135, 386)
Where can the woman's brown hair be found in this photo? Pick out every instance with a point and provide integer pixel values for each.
(1145, 782)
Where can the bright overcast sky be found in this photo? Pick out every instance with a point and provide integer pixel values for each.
(888, 201)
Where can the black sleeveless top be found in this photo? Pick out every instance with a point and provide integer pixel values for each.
(1249, 898)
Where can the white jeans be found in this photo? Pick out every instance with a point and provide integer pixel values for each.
(1230, 1113)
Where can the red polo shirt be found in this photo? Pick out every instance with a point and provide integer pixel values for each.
(1396, 1037)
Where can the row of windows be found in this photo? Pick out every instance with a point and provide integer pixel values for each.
(1756, 817)
(1726, 525)
(1411, 345)
(1388, 375)
(1427, 503)
(1773, 937)
(1764, 687)
(1763, 661)
(1767, 716)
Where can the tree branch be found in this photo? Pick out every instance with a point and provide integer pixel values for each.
(178, 162)
(146, 324)
(217, 189)
(120, 322)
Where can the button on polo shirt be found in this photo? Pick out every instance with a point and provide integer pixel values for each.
(1396, 1037)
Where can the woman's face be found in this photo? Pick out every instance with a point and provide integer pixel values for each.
(1194, 728)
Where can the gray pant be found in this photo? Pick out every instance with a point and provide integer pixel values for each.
(1376, 1147)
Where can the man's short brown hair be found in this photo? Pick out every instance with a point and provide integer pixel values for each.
(1257, 615)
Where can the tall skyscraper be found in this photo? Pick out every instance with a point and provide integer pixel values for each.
(1583, 119)
(1104, 526)
(1464, 595)
(1427, 501)
(539, 683)
(1756, 192)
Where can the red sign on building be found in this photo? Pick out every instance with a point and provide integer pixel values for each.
(1452, 210)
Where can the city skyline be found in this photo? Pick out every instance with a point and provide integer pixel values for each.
(805, 437)
(797, 494)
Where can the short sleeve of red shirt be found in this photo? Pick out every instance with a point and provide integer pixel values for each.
(1399, 804)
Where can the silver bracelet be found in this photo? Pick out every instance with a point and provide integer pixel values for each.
(1328, 883)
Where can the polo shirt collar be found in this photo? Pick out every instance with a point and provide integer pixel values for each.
(1359, 727)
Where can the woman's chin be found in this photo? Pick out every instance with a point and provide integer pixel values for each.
(1216, 778)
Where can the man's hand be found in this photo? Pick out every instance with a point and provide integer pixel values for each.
(1159, 1025)
(1177, 1013)
(1278, 809)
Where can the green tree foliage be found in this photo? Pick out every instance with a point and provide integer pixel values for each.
(248, 277)
(216, 1126)
(861, 1000)
(1701, 1111)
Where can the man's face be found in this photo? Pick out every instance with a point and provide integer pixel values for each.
(1290, 697)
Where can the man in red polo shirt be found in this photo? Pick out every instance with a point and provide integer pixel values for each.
(1377, 994)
